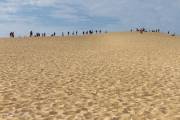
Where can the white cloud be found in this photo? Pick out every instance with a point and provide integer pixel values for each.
(127, 13)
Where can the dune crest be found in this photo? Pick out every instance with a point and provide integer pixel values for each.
(115, 76)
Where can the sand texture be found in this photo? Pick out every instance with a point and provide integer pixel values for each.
(115, 76)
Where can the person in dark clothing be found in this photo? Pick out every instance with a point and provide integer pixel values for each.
(100, 31)
(31, 33)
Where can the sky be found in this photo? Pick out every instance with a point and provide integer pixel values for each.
(58, 16)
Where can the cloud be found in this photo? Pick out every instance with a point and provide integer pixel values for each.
(114, 15)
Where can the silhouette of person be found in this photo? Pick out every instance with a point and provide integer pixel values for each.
(31, 33)
(100, 31)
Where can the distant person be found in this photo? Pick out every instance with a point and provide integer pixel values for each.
(76, 33)
(168, 32)
(92, 31)
(10, 34)
(100, 31)
(68, 33)
(54, 34)
(31, 33)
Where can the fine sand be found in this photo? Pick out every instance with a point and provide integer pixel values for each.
(115, 76)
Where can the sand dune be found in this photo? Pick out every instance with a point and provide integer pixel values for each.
(116, 76)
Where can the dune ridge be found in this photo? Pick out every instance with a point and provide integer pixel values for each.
(114, 76)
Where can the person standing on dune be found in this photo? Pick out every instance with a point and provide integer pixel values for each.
(31, 33)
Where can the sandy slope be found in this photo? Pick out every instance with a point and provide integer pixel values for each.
(117, 76)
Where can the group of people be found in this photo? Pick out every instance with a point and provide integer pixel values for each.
(11, 34)
(88, 32)
(74, 33)
(142, 30)
(37, 34)
(92, 32)
(173, 34)
(52, 35)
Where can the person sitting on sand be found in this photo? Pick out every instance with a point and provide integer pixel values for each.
(173, 34)
(141, 31)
